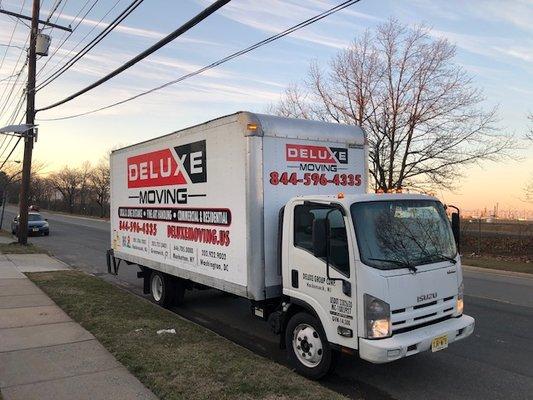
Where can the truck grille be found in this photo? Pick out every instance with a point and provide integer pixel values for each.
(409, 318)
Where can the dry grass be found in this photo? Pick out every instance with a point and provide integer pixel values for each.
(500, 263)
(15, 248)
(192, 364)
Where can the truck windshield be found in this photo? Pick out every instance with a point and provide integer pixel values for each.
(402, 233)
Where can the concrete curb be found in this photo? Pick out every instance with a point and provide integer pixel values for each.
(498, 272)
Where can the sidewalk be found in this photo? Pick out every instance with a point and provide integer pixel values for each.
(43, 353)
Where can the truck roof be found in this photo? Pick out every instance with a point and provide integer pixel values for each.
(275, 126)
(357, 198)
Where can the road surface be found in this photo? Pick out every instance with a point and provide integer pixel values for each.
(494, 363)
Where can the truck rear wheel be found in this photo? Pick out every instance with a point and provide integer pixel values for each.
(166, 290)
(307, 346)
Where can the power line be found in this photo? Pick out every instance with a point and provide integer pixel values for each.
(10, 93)
(78, 43)
(12, 34)
(13, 72)
(11, 46)
(12, 119)
(169, 38)
(268, 40)
(65, 39)
(11, 152)
(51, 13)
(14, 100)
(9, 77)
(54, 8)
(105, 32)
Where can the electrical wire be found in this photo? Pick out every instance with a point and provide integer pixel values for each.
(69, 34)
(12, 34)
(12, 119)
(9, 77)
(54, 9)
(11, 139)
(10, 93)
(55, 5)
(152, 49)
(79, 42)
(11, 152)
(13, 71)
(105, 32)
(263, 42)
(11, 46)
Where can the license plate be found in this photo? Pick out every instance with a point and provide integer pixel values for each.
(36, 229)
(439, 343)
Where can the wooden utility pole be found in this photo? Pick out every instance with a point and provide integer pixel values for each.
(30, 121)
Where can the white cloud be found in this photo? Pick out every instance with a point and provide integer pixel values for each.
(501, 48)
(518, 13)
(275, 15)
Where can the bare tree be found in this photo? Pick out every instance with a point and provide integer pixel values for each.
(85, 172)
(100, 184)
(11, 176)
(68, 182)
(529, 132)
(422, 116)
(528, 192)
(41, 191)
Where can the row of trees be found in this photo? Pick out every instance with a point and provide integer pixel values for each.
(82, 190)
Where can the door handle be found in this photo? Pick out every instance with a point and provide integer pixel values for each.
(294, 278)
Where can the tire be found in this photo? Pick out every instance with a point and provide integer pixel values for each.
(166, 290)
(307, 347)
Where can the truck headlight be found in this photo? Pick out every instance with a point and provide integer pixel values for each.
(460, 303)
(377, 318)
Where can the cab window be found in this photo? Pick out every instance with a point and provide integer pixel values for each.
(304, 215)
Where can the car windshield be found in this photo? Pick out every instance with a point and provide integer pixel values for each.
(35, 217)
(402, 233)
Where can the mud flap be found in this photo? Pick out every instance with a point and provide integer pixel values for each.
(113, 264)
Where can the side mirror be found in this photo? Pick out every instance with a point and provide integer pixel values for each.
(456, 227)
(320, 233)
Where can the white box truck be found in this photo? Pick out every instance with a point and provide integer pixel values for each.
(274, 210)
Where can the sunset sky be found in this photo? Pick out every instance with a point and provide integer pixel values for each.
(494, 41)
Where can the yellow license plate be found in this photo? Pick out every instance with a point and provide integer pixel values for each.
(439, 343)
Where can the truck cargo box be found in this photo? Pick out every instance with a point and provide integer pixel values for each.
(203, 203)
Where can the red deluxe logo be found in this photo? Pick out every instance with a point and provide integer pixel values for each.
(315, 154)
(158, 168)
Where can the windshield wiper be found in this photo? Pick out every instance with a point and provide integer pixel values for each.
(441, 257)
(397, 262)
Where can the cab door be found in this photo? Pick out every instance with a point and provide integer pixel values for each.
(325, 283)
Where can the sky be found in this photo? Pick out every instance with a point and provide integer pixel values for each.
(494, 42)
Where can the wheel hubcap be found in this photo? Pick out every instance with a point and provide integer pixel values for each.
(157, 287)
(307, 345)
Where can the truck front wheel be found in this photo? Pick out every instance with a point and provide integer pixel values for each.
(166, 291)
(307, 346)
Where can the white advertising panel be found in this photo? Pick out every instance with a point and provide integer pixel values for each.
(179, 202)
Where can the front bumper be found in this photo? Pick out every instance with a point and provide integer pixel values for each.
(415, 341)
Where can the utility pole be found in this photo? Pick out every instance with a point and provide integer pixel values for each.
(30, 121)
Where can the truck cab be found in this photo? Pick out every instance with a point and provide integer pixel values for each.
(377, 275)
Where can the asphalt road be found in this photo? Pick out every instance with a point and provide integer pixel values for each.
(494, 363)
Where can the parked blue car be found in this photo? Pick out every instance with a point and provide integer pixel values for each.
(37, 225)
